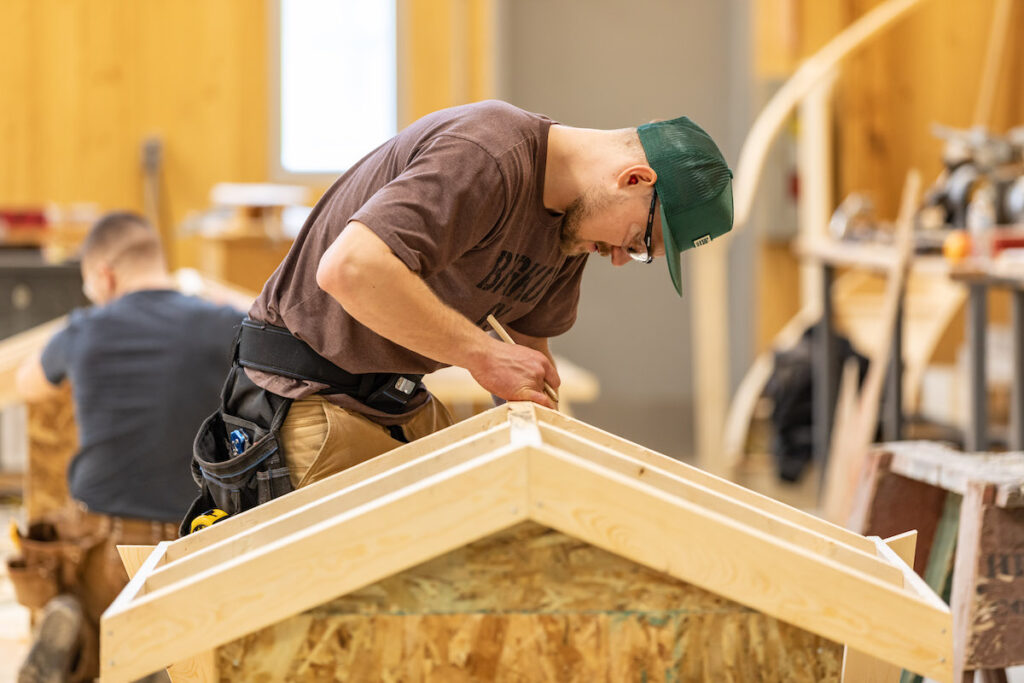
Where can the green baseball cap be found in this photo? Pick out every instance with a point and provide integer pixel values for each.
(694, 185)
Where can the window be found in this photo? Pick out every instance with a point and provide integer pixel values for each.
(336, 91)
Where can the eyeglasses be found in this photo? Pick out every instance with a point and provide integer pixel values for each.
(647, 255)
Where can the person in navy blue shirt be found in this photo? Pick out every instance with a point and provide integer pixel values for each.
(145, 365)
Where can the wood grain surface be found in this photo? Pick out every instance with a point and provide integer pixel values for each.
(531, 604)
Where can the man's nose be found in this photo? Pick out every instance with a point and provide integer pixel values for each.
(620, 256)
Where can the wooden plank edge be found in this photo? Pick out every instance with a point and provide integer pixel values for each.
(914, 583)
(904, 545)
(329, 558)
(699, 476)
(740, 511)
(337, 503)
(136, 584)
(134, 556)
(492, 421)
(685, 529)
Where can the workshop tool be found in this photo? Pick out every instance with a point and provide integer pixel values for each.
(207, 519)
(496, 326)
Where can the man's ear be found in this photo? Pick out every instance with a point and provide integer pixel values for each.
(638, 174)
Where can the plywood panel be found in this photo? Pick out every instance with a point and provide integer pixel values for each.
(531, 604)
(52, 442)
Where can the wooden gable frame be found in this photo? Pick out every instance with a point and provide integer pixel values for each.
(512, 464)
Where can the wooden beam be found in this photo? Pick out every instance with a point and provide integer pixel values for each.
(331, 505)
(861, 668)
(741, 512)
(702, 478)
(913, 583)
(709, 288)
(904, 545)
(852, 438)
(713, 552)
(330, 557)
(137, 584)
(311, 494)
(199, 669)
(133, 557)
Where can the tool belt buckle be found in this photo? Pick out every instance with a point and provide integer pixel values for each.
(393, 395)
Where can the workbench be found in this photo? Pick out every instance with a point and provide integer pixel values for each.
(979, 276)
(874, 258)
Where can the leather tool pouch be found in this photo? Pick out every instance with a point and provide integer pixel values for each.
(238, 481)
(46, 565)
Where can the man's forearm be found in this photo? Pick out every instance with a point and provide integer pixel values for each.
(379, 291)
(376, 288)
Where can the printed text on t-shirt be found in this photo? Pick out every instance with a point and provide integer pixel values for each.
(517, 276)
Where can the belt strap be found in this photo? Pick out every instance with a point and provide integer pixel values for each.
(274, 349)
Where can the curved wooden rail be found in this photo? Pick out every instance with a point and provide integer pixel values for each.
(811, 72)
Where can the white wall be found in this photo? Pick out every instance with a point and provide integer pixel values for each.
(605, 64)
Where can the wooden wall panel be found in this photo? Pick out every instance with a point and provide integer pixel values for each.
(84, 83)
(926, 69)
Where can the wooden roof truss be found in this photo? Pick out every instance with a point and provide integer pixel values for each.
(516, 463)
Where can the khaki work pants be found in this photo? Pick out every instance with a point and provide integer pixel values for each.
(320, 439)
(79, 557)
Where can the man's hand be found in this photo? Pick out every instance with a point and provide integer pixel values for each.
(376, 288)
(516, 373)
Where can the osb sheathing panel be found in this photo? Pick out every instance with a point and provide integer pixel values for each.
(531, 604)
(52, 442)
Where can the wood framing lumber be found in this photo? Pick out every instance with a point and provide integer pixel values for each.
(721, 555)
(710, 340)
(815, 166)
(912, 581)
(328, 558)
(230, 527)
(774, 115)
(708, 499)
(851, 440)
(861, 668)
(201, 668)
(858, 666)
(702, 478)
(133, 557)
(331, 505)
(137, 584)
(904, 545)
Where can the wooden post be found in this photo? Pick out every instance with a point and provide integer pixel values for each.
(988, 583)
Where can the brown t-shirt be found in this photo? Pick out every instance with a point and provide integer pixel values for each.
(458, 197)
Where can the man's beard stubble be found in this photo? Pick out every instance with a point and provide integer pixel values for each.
(584, 206)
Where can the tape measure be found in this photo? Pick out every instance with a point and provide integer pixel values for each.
(208, 518)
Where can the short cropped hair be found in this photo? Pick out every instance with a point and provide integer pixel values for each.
(122, 237)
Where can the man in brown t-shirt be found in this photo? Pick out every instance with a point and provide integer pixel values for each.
(470, 211)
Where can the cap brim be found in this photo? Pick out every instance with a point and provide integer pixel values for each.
(672, 253)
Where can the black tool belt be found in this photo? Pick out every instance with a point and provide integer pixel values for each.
(276, 350)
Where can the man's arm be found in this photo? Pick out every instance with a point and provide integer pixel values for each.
(31, 382)
(376, 288)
